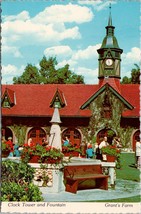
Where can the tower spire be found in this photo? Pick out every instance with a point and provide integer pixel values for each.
(110, 16)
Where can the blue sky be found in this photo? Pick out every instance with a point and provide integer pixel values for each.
(70, 30)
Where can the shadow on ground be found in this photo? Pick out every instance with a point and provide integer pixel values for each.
(124, 189)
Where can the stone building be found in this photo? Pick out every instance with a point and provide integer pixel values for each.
(87, 112)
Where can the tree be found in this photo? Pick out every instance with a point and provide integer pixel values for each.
(135, 76)
(48, 74)
(29, 76)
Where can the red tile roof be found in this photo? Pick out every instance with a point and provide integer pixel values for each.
(132, 93)
(35, 100)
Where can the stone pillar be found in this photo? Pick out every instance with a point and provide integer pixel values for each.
(111, 171)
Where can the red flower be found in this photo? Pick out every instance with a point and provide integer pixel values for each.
(26, 189)
(25, 145)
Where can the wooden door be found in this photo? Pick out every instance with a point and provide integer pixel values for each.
(73, 136)
(37, 134)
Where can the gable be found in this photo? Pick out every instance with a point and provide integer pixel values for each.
(102, 89)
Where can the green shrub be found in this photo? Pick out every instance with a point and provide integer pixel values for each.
(12, 171)
(17, 182)
(12, 191)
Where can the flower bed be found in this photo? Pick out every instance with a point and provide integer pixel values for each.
(71, 151)
(40, 154)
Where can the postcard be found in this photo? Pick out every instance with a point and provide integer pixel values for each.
(70, 106)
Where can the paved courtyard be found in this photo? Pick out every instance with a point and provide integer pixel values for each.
(123, 189)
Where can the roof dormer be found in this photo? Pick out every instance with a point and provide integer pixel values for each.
(8, 98)
(58, 99)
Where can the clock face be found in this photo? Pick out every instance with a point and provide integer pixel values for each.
(109, 62)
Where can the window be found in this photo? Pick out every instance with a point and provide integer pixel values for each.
(6, 103)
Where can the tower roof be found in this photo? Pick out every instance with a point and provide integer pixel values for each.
(110, 40)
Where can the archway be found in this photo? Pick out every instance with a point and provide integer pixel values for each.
(136, 135)
(109, 133)
(37, 134)
(73, 135)
(6, 132)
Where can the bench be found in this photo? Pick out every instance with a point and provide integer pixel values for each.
(75, 175)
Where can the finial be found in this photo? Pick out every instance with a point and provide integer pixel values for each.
(110, 17)
(110, 7)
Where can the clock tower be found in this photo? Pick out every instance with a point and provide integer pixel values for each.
(109, 54)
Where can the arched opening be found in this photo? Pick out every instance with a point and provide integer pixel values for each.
(109, 133)
(73, 135)
(136, 135)
(37, 134)
(6, 132)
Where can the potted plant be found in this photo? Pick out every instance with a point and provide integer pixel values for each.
(41, 154)
(111, 152)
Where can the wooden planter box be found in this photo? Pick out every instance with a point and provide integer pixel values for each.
(111, 158)
(37, 159)
(34, 159)
(72, 154)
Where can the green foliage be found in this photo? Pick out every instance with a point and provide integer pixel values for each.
(110, 150)
(48, 74)
(71, 148)
(135, 76)
(29, 76)
(5, 147)
(44, 153)
(15, 172)
(17, 182)
(125, 134)
(128, 170)
(12, 191)
(20, 132)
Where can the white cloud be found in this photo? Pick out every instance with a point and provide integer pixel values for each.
(70, 62)
(90, 75)
(9, 71)
(128, 61)
(47, 26)
(88, 53)
(64, 13)
(28, 33)
(24, 15)
(133, 56)
(97, 4)
(11, 50)
(59, 51)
